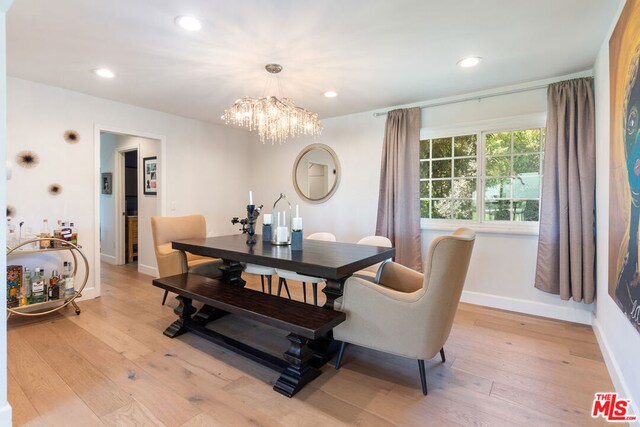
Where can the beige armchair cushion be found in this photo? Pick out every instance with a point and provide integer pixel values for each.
(408, 313)
(170, 261)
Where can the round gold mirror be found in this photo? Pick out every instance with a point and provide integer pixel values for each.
(316, 173)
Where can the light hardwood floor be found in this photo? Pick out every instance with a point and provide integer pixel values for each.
(113, 366)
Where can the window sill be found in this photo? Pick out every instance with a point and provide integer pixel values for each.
(498, 228)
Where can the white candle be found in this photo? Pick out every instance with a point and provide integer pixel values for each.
(296, 225)
(282, 234)
(297, 211)
(267, 219)
(250, 197)
(278, 223)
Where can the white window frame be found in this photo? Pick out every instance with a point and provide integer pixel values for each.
(480, 129)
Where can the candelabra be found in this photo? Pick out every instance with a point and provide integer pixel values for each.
(248, 223)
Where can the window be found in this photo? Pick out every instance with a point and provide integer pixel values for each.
(497, 179)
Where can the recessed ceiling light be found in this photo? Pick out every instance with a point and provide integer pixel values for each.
(330, 94)
(189, 23)
(104, 73)
(469, 62)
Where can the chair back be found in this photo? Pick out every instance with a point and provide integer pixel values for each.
(375, 241)
(167, 229)
(327, 237)
(446, 268)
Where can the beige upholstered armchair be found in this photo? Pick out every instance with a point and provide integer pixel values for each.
(408, 314)
(170, 261)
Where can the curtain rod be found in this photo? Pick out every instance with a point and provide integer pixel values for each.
(470, 98)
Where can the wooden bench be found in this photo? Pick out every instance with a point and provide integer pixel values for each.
(308, 325)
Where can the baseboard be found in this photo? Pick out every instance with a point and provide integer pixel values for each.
(89, 293)
(614, 369)
(569, 314)
(5, 414)
(148, 270)
(108, 259)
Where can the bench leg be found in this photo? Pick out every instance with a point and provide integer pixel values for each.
(208, 314)
(179, 327)
(299, 372)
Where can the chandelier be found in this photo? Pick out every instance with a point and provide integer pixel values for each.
(275, 119)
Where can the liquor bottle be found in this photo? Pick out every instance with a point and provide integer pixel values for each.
(66, 232)
(44, 233)
(53, 291)
(74, 233)
(22, 296)
(38, 286)
(68, 279)
(26, 282)
(57, 233)
(12, 238)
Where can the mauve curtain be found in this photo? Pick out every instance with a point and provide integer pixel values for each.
(566, 247)
(399, 199)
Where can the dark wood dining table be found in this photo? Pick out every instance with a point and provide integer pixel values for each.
(333, 261)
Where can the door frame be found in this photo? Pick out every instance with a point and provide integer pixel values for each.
(97, 191)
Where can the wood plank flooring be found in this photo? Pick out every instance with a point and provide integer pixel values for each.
(112, 366)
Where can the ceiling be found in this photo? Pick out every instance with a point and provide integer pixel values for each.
(374, 53)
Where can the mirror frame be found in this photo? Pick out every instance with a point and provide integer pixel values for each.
(336, 162)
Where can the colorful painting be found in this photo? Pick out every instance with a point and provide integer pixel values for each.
(624, 196)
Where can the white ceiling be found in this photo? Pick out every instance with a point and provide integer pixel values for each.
(374, 53)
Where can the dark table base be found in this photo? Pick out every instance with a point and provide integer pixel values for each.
(299, 365)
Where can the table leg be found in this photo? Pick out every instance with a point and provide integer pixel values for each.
(333, 291)
(232, 273)
(179, 327)
(299, 372)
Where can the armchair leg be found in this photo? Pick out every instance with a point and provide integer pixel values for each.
(304, 291)
(444, 359)
(340, 354)
(423, 376)
(164, 298)
(262, 282)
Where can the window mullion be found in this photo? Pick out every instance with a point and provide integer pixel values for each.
(480, 161)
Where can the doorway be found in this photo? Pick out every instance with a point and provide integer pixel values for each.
(126, 211)
(130, 201)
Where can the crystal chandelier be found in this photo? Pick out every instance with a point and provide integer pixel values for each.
(275, 119)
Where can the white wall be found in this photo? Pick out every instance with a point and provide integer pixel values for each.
(619, 341)
(5, 409)
(502, 269)
(205, 164)
(148, 205)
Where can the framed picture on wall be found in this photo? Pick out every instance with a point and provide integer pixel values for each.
(150, 175)
(106, 182)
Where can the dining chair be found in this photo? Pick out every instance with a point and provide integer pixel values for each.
(262, 271)
(371, 272)
(165, 230)
(408, 313)
(283, 275)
